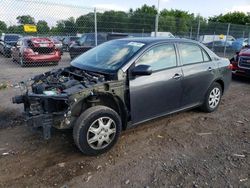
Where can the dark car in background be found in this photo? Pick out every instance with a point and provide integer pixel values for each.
(58, 44)
(219, 46)
(122, 83)
(30, 50)
(240, 63)
(239, 43)
(67, 41)
(87, 41)
(7, 41)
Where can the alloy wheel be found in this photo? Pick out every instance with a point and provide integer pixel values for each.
(214, 98)
(101, 133)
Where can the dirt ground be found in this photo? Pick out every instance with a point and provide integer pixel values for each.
(188, 149)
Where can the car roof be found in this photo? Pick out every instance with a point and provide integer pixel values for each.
(152, 40)
(9, 34)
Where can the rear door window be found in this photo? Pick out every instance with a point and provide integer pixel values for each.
(191, 53)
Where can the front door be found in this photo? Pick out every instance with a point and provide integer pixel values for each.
(159, 93)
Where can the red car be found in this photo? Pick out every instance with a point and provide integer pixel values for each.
(240, 63)
(29, 50)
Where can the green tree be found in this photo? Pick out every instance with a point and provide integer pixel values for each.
(42, 27)
(232, 17)
(25, 19)
(70, 26)
(15, 29)
(176, 21)
(142, 19)
(59, 28)
(113, 21)
(3, 27)
(85, 23)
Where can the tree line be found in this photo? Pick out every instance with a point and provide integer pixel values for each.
(140, 20)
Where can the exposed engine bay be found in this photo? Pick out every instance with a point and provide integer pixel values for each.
(65, 81)
(56, 98)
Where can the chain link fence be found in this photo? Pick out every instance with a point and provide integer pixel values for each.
(66, 25)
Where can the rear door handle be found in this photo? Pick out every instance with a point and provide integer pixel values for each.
(210, 69)
(177, 76)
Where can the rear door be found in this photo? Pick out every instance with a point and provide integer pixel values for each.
(198, 73)
(159, 93)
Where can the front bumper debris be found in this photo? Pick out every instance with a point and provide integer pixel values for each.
(45, 121)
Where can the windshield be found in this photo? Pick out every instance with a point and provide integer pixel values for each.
(10, 38)
(109, 56)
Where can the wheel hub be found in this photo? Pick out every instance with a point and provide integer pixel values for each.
(101, 133)
(214, 98)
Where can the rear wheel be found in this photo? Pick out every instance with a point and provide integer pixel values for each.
(213, 98)
(97, 130)
(13, 59)
(21, 61)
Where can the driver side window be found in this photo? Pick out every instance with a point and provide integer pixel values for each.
(159, 57)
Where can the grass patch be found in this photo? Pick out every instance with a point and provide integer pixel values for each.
(3, 86)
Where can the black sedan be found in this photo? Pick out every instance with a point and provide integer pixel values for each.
(122, 83)
(87, 41)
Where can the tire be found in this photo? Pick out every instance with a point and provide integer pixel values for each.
(21, 61)
(13, 59)
(90, 137)
(67, 48)
(212, 98)
(7, 55)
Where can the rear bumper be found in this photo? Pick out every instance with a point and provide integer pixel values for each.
(43, 58)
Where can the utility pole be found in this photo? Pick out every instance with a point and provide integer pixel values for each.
(157, 19)
(95, 27)
(225, 44)
(198, 29)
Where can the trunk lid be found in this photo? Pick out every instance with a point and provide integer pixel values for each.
(42, 46)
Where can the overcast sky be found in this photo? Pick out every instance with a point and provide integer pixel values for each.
(204, 7)
(51, 12)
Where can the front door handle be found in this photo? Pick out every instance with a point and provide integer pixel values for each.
(177, 76)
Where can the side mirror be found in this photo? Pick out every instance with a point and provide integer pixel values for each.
(142, 70)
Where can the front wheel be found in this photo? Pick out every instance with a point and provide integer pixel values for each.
(97, 130)
(213, 98)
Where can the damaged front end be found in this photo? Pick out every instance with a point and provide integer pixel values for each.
(49, 98)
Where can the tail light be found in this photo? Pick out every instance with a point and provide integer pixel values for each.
(230, 66)
(28, 51)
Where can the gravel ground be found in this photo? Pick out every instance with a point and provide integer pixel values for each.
(188, 149)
